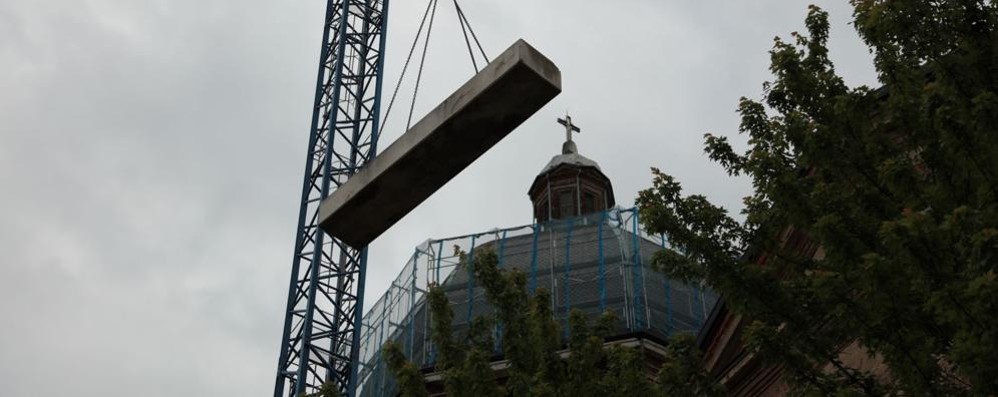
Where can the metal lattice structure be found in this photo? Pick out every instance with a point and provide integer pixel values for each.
(325, 296)
(595, 263)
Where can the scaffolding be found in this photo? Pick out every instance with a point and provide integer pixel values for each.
(595, 263)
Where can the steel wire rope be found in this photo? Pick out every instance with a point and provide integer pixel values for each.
(431, 9)
(461, 15)
(408, 59)
(422, 63)
(464, 31)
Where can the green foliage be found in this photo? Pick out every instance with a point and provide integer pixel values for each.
(409, 378)
(328, 389)
(532, 345)
(681, 373)
(897, 187)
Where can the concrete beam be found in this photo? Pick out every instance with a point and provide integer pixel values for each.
(467, 124)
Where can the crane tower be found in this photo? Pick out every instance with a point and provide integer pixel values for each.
(326, 291)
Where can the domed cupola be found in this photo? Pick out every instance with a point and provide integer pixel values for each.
(571, 184)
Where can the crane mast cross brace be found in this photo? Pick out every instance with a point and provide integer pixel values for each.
(326, 289)
(320, 340)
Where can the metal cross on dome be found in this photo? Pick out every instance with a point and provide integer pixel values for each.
(569, 127)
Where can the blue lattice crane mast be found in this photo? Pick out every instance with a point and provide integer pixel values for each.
(325, 295)
(322, 325)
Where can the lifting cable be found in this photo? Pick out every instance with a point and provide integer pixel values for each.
(422, 62)
(430, 13)
(405, 67)
(463, 19)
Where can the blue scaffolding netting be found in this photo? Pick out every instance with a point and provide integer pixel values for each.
(595, 263)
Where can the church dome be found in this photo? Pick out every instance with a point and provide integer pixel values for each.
(572, 159)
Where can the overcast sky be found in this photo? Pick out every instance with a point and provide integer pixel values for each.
(151, 154)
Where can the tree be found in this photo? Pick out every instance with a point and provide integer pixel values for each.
(891, 191)
(531, 342)
(328, 389)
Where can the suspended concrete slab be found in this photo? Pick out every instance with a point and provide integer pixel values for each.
(466, 125)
